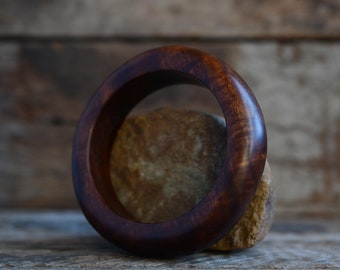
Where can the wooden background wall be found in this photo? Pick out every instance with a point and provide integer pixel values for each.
(53, 55)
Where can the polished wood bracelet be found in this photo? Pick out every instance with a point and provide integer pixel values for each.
(232, 191)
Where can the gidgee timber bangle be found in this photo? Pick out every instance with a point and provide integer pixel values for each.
(216, 214)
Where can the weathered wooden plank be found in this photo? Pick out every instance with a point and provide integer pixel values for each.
(170, 18)
(54, 240)
(43, 89)
(35, 163)
(45, 86)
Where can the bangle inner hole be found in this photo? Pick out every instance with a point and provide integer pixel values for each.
(161, 166)
(179, 90)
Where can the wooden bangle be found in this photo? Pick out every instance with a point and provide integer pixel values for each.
(233, 189)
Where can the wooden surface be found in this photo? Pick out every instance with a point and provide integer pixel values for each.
(171, 19)
(43, 92)
(53, 55)
(288, 52)
(55, 240)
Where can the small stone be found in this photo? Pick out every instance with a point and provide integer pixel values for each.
(165, 161)
(256, 221)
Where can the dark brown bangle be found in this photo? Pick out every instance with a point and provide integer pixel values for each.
(232, 191)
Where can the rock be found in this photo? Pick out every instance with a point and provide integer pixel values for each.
(164, 162)
(256, 221)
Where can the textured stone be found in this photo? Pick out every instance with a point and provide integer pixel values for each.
(165, 161)
(256, 221)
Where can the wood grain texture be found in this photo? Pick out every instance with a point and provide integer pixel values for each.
(170, 19)
(55, 240)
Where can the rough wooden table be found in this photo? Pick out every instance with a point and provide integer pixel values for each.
(53, 240)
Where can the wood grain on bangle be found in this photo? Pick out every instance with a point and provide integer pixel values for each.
(233, 189)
